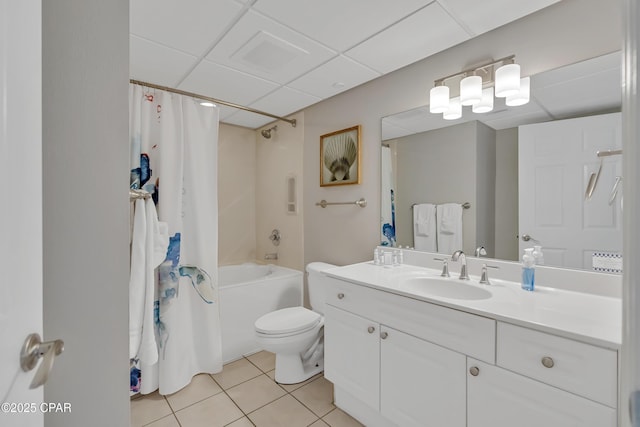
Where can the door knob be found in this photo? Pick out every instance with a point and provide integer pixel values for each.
(527, 237)
(34, 349)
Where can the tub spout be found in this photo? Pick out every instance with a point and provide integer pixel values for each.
(272, 256)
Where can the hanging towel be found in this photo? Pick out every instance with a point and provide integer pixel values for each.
(137, 278)
(449, 227)
(424, 227)
(149, 248)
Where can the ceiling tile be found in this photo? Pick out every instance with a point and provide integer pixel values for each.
(338, 75)
(157, 64)
(422, 34)
(285, 101)
(188, 25)
(485, 15)
(260, 46)
(338, 24)
(226, 84)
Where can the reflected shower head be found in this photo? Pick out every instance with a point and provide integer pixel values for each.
(267, 132)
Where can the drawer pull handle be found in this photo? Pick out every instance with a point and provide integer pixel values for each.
(340, 295)
(474, 370)
(384, 335)
(547, 362)
(371, 329)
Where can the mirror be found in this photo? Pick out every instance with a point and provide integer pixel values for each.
(429, 160)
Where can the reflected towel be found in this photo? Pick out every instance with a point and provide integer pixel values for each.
(449, 227)
(137, 278)
(424, 227)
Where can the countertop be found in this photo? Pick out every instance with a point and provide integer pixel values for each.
(581, 316)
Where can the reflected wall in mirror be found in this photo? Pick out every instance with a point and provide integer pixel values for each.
(430, 161)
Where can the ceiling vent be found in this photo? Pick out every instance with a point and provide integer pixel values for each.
(267, 53)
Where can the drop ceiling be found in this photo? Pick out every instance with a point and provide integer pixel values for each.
(281, 56)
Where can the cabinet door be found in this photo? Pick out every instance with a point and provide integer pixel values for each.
(499, 398)
(421, 384)
(352, 354)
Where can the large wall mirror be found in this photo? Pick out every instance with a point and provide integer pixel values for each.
(513, 201)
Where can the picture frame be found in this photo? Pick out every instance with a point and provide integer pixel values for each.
(340, 154)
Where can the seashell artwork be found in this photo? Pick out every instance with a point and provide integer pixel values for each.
(339, 157)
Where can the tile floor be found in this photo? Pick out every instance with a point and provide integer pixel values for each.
(244, 394)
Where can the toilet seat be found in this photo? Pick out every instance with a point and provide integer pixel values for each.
(287, 321)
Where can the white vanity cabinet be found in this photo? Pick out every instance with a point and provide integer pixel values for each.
(399, 361)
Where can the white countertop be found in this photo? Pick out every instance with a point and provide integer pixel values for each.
(585, 317)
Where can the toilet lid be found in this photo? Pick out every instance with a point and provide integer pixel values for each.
(287, 320)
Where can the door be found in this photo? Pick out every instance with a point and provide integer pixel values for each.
(21, 203)
(421, 384)
(499, 398)
(352, 354)
(555, 162)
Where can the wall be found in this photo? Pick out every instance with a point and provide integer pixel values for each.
(278, 158)
(559, 35)
(485, 190)
(507, 194)
(85, 79)
(236, 195)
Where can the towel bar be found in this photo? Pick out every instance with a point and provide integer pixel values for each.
(360, 202)
(465, 205)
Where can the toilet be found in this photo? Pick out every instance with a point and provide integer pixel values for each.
(295, 334)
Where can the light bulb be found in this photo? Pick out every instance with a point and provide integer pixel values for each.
(439, 99)
(470, 90)
(455, 109)
(522, 96)
(486, 103)
(507, 80)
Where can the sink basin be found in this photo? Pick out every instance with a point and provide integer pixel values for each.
(446, 288)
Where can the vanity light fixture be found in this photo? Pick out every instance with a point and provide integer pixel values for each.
(478, 86)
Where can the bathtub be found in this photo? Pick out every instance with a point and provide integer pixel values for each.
(248, 291)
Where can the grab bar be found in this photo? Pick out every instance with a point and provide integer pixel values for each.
(360, 202)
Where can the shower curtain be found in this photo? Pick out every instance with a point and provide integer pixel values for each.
(387, 196)
(174, 143)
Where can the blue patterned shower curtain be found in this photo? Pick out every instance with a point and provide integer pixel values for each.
(174, 144)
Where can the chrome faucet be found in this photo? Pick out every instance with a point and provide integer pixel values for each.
(481, 251)
(463, 260)
(484, 275)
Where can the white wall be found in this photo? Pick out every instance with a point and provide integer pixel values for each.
(485, 190)
(565, 33)
(86, 208)
(507, 194)
(277, 158)
(236, 195)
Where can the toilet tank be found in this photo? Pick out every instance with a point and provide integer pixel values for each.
(316, 281)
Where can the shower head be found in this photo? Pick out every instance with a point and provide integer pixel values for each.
(267, 132)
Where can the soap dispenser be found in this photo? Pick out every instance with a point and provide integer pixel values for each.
(538, 255)
(528, 270)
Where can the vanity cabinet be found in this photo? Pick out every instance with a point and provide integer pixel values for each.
(395, 360)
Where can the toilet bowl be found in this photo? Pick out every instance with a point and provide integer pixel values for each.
(295, 334)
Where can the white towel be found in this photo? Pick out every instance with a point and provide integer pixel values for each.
(449, 228)
(424, 227)
(149, 249)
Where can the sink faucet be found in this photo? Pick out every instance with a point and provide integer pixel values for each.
(481, 251)
(463, 260)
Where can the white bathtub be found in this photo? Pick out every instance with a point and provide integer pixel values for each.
(248, 291)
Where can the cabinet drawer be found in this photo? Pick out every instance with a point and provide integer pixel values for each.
(577, 367)
(459, 331)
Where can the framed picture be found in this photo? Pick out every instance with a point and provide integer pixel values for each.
(340, 157)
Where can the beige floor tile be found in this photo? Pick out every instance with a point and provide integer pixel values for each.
(255, 393)
(264, 360)
(148, 408)
(215, 411)
(201, 387)
(284, 412)
(338, 418)
(319, 423)
(169, 421)
(242, 422)
(235, 373)
(292, 387)
(317, 396)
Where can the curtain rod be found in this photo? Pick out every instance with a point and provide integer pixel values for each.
(214, 100)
